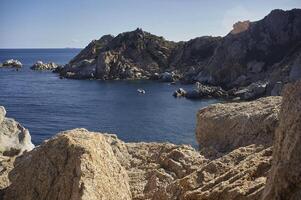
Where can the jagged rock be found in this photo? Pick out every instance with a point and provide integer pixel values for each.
(81, 70)
(206, 91)
(264, 43)
(239, 27)
(189, 57)
(285, 175)
(151, 166)
(180, 93)
(252, 91)
(240, 175)
(39, 65)
(14, 138)
(130, 55)
(224, 127)
(73, 165)
(90, 51)
(12, 63)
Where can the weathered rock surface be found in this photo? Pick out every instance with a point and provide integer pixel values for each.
(130, 55)
(224, 127)
(258, 50)
(206, 91)
(151, 166)
(14, 140)
(284, 180)
(39, 65)
(240, 175)
(78, 164)
(12, 63)
(73, 165)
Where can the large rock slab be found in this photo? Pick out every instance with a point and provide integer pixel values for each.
(224, 127)
(285, 176)
(73, 165)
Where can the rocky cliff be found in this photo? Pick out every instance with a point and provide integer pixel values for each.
(267, 50)
(284, 180)
(256, 51)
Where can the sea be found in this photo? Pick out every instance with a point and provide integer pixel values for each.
(46, 104)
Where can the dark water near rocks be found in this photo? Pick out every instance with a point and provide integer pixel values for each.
(45, 104)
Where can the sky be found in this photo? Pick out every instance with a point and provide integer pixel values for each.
(74, 23)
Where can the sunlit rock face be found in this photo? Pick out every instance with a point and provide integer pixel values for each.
(285, 175)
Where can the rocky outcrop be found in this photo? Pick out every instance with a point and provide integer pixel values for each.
(12, 63)
(78, 164)
(224, 127)
(90, 52)
(14, 140)
(151, 166)
(130, 55)
(285, 176)
(205, 91)
(72, 165)
(255, 50)
(240, 175)
(254, 54)
(39, 65)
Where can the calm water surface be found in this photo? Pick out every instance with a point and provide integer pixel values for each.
(45, 104)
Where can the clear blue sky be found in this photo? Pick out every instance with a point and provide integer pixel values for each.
(74, 23)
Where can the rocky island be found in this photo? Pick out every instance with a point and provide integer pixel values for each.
(248, 150)
(39, 65)
(12, 63)
(255, 59)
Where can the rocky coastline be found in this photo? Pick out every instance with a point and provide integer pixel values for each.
(255, 59)
(248, 150)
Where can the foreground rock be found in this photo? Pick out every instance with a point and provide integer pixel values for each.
(239, 175)
(225, 127)
(12, 63)
(152, 166)
(285, 176)
(39, 65)
(72, 165)
(14, 140)
(85, 165)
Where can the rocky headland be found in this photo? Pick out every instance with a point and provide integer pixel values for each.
(255, 59)
(248, 151)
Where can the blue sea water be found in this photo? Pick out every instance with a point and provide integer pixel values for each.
(45, 104)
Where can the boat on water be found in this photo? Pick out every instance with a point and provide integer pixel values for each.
(141, 91)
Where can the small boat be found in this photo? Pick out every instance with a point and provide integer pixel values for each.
(141, 91)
